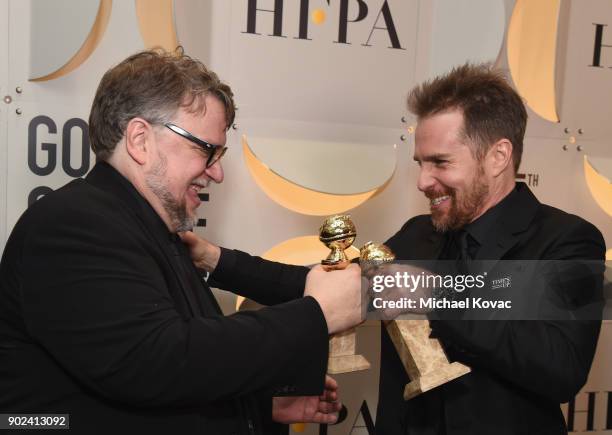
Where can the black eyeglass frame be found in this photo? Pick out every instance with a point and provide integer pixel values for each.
(213, 154)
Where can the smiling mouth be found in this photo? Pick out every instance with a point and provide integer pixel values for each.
(439, 200)
(198, 185)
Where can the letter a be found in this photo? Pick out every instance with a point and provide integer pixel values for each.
(386, 13)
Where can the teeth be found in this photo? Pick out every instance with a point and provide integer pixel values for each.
(197, 185)
(438, 200)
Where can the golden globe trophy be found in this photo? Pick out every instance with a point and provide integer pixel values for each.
(372, 255)
(423, 357)
(338, 233)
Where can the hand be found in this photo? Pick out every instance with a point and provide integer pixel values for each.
(204, 254)
(321, 409)
(339, 294)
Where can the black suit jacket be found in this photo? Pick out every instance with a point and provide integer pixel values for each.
(101, 317)
(521, 370)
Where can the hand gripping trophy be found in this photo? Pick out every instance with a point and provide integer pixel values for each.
(338, 233)
(423, 357)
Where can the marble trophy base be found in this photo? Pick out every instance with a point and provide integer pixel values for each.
(342, 357)
(423, 357)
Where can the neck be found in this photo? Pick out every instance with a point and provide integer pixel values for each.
(497, 192)
(135, 174)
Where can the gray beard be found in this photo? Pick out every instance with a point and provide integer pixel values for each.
(177, 212)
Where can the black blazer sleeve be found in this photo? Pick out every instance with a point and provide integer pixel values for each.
(95, 297)
(551, 358)
(265, 282)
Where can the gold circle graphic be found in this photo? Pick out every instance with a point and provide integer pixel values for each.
(318, 16)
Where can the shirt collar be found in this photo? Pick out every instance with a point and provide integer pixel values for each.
(481, 226)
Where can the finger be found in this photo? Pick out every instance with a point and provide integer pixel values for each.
(355, 267)
(317, 268)
(330, 383)
(325, 418)
(329, 407)
(329, 396)
(188, 237)
(332, 397)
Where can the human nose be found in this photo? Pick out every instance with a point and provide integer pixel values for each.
(215, 172)
(426, 179)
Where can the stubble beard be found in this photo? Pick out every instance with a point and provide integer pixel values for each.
(176, 210)
(463, 210)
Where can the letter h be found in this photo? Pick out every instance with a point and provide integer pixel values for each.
(598, 44)
(278, 18)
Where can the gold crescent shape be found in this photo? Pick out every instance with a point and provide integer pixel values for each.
(532, 44)
(599, 186)
(609, 255)
(297, 198)
(156, 23)
(89, 45)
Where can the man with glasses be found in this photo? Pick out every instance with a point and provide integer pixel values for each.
(103, 315)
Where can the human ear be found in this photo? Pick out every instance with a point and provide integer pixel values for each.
(499, 156)
(138, 136)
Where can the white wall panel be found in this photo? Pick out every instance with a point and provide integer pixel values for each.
(55, 36)
(470, 30)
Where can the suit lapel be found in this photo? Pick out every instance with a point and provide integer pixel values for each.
(518, 213)
(172, 254)
(208, 305)
(107, 178)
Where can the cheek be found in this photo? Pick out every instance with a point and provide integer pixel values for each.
(451, 179)
(184, 174)
(460, 178)
(178, 184)
(195, 166)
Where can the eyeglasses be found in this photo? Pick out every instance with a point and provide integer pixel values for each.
(215, 152)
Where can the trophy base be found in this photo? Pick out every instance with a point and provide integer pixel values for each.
(346, 364)
(435, 379)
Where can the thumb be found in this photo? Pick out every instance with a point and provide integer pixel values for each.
(188, 237)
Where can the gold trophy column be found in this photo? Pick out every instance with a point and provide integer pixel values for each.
(338, 233)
